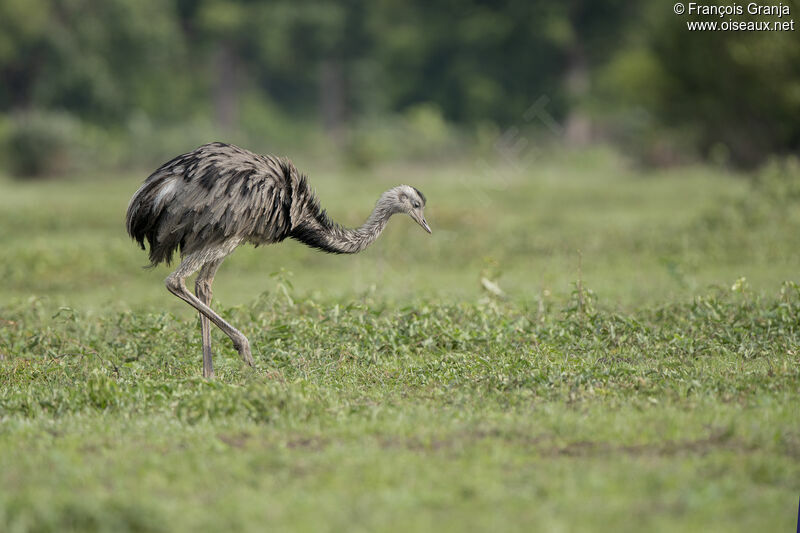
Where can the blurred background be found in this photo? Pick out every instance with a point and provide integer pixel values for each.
(555, 140)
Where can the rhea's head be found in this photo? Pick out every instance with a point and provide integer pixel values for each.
(409, 200)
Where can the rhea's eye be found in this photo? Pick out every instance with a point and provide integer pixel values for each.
(416, 205)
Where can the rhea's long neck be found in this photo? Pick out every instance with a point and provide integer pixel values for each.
(321, 232)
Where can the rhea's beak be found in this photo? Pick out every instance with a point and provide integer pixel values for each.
(420, 219)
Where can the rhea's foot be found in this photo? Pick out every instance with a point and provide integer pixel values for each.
(243, 347)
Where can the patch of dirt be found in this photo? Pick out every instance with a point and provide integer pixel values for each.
(307, 443)
(237, 440)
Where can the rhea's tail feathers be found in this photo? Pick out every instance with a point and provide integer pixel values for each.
(143, 221)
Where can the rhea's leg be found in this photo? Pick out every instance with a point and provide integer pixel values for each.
(176, 286)
(175, 283)
(202, 288)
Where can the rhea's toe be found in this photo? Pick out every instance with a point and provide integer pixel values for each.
(243, 347)
(248, 357)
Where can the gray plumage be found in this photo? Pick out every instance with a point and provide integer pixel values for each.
(205, 203)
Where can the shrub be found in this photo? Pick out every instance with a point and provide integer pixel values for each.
(421, 133)
(42, 143)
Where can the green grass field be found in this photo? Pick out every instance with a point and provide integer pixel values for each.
(641, 374)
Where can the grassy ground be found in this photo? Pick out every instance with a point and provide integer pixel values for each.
(644, 238)
(651, 389)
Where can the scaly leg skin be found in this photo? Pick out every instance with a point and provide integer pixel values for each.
(176, 286)
(202, 288)
(175, 283)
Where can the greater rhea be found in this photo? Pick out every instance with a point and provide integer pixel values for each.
(207, 202)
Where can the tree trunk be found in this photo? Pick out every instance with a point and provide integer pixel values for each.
(226, 87)
(332, 97)
(578, 124)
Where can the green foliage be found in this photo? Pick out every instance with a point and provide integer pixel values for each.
(100, 60)
(39, 144)
(421, 133)
(728, 96)
(128, 365)
(772, 197)
(391, 77)
(355, 411)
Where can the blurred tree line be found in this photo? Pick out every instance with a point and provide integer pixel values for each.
(118, 80)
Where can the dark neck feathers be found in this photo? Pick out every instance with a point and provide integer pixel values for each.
(318, 231)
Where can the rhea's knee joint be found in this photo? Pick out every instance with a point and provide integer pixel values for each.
(173, 284)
